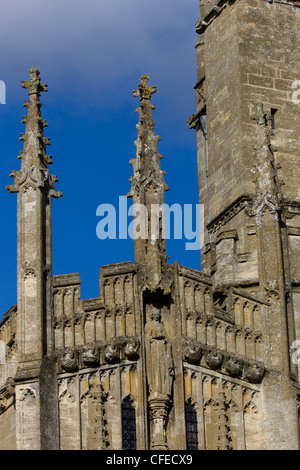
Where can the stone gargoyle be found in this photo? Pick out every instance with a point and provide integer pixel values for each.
(111, 353)
(90, 356)
(69, 360)
(255, 372)
(131, 349)
(234, 367)
(214, 359)
(192, 351)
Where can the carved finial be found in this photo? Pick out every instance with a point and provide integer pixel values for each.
(146, 166)
(34, 158)
(34, 152)
(144, 92)
(34, 85)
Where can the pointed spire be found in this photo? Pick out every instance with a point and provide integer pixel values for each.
(147, 191)
(34, 152)
(146, 165)
(34, 158)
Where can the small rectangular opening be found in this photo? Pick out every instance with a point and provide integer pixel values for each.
(273, 122)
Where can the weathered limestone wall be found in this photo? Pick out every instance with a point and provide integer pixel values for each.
(223, 353)
(90, 407)
(166, 336)
(212, 336)
(228, 411)
(222, 93)
(78, 322)
(247, 53)
(99, 363)
(8, 350)
(8, 429)
(8, 367)
(269, 65)
(27, 416)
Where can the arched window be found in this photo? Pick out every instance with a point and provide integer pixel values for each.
(128, 425)
(191, 427)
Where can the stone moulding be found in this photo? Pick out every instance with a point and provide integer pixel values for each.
(292, 207)
(242, 293)
(91, 305)
(63, 280)
(242, 202)
(221, 314)
(69, 361)
(204, 22)
(234, 367)
(293, 231)
(217, 9)
(90, 356)
(294, 3)
(255, 372)
(117, 268)
(193, 274)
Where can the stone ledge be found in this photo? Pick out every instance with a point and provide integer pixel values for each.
(204, 22)
(117, 268)
(61, 280)
(90, 305)
(194, 274)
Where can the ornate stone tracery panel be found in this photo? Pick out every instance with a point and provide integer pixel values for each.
(227, 409)
(90, 406)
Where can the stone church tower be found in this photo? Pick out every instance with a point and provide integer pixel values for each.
(168, 357)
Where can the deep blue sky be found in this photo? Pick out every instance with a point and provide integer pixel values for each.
(91, 54)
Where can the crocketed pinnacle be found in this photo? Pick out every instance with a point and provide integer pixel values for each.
(147, 171)
(34, 151)
(147, 191)
(34, 159)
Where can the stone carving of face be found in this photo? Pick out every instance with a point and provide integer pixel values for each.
(155, 314)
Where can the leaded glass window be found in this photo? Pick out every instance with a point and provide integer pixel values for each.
(128, 425)
(191, 427)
